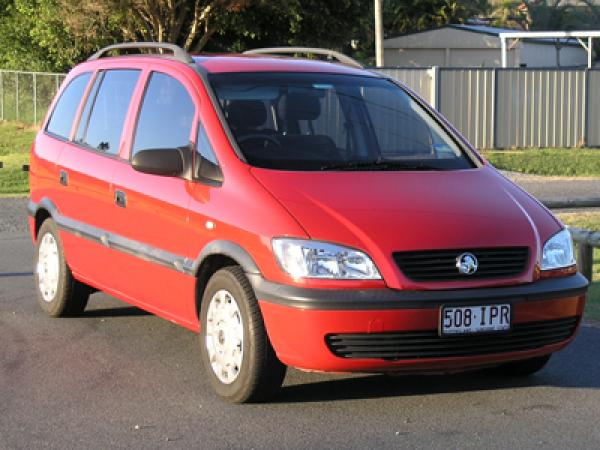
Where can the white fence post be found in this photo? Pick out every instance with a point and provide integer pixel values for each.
(494, 130)
(434, 75)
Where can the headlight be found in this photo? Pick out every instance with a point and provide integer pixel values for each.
(314, 259)
(558, 251)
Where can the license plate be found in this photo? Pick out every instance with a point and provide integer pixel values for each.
(474, 319)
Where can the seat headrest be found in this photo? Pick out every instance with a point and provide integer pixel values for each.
(296, 106)
(243, 114)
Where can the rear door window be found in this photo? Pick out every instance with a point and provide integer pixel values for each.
(166, 116)
(106, 109)
(64, 112)
(87, 108)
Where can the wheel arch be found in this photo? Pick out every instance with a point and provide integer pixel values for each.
(40, 212)
(215, 256)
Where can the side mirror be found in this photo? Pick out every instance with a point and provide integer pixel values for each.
(207, 171)
(167, 162)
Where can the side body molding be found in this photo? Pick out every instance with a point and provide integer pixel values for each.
(144, 251)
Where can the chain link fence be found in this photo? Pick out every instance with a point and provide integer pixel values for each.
(25, 96)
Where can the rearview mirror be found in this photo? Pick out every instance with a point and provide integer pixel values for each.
(167, 162)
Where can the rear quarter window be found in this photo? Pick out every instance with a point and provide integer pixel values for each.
(61, 120)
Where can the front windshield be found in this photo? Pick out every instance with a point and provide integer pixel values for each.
(315, 121)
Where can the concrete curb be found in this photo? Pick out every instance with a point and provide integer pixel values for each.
(565, 203)
(592, 323)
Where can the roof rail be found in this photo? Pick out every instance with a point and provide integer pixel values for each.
(178, 53)
(344, 59)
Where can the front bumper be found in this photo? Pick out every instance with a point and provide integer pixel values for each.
(302, 322)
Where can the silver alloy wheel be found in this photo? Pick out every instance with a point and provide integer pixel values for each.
(48, 267)
(224, 336)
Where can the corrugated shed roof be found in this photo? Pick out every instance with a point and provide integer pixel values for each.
(493, 31)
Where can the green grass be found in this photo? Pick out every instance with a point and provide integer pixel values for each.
(571, 162)
(16, 139)
(15, 142)
(589, 221)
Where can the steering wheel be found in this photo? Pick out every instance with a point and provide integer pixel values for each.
(266, 139)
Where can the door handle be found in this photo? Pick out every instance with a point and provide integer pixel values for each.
(63, 177)
(120, 198)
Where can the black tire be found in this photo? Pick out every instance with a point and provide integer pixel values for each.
(71, 296)
(260, 374)
(524, 367)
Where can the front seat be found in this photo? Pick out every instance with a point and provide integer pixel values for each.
(246, 116)
(293, 108)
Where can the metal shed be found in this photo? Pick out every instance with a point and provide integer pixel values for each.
(479, 46)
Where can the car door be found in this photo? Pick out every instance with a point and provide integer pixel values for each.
(151, 216)
(45, 175)
(86, 167)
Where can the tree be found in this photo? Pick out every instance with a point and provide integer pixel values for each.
(404, 16)
(558, 15)
(56, 34)
(511, 14)
(549, 15)
(320, 23)
(188, 23)
(38, 35)
(28, 34)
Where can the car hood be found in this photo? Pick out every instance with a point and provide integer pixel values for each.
(386, 211)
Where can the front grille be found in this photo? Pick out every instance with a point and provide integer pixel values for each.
(428, 344)
(440, 265)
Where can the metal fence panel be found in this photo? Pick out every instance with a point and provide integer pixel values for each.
(540, 108)
(46, 87)
(419, 80)
(493, 108)
(505, 108)
(466, 99)
(593, 109)
(9, 97)
(25, 96)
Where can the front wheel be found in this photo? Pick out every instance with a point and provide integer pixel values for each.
(525, 367)
(58, 293)
(236, 352)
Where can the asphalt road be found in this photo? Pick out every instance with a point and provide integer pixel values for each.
(120, 378)
(558, 190)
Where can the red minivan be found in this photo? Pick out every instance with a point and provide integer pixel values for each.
(293, 213)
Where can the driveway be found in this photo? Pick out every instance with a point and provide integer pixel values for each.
(120, 378)
(560, 192)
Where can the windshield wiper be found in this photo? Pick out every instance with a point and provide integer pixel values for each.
(380, 165)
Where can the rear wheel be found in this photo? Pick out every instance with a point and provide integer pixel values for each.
(58, 293)
(237, 355)
(525, 367)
